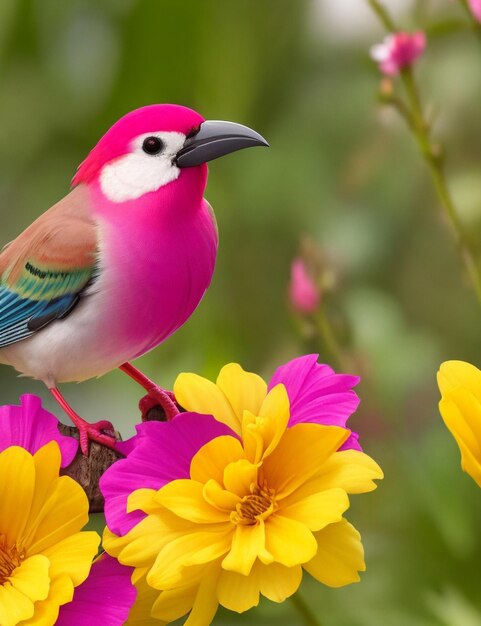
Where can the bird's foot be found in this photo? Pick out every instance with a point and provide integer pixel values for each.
(102, 432)
(163, 401)
(93, 432)
(157, 398)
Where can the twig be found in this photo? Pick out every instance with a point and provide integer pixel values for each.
(432, 154)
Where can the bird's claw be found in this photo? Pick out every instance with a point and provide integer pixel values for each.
(164, 400)
(101, 432)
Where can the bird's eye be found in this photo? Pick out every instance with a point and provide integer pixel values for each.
(152, 145)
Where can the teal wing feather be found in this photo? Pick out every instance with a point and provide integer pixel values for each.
(21, 316)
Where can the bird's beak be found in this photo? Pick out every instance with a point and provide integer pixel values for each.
(215, 139)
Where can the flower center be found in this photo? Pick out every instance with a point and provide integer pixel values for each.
(258, 505)
(10, 558)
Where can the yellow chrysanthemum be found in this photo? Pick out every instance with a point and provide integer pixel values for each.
(254, 512)
(460, 407)
(43, 556)
(234, 392)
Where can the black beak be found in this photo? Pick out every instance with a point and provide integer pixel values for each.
(215, 139)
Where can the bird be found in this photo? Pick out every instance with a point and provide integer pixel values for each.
(120, 263)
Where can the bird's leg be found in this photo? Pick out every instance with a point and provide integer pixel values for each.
(87, 431)
(156, 395)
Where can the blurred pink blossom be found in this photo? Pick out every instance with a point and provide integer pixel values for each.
(303, 292)
(400, 50)
(475, 6)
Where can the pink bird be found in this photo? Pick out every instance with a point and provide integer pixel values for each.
(122, 261)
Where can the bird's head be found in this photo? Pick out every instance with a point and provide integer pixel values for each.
(151, 146)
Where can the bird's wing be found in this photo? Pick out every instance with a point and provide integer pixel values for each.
(44, 271)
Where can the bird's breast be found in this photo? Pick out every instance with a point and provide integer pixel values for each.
(155, 271)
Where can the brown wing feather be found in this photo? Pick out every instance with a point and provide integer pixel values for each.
(62, 239)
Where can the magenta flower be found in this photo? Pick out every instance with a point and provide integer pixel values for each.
(475, 6)
(106, 597)
(317, 394)
(30, 426)
(159, 453)
(162, 451)
(397, 51)
(303, 292)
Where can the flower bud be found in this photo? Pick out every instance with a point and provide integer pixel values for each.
(400, 50)
(304, 294)
(475, 6)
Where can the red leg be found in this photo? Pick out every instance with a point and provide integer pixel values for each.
(156, 395)
(87, 431)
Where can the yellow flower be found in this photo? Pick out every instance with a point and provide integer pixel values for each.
(460, 407)
(255, 511)
(234, 392)
(43, 556)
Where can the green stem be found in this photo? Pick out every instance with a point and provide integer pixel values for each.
(421, 130)
(328, 337)
(434, 161)
(475, 25)
(308, 615)
(383, 15)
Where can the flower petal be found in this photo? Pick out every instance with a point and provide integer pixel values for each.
(160, 452)
(172, 604)
(278, 582)
(140, 546)
(339, 557)
(141, 611)
(300, 455)
(194, 548)
(46, 611)
(350, 470)
(107, 594)
(461, 413)
(275, 413)
(220, 498)
(453, 374)
(245, 391)
(316, 393)
(47, 467)
(185, 498)
(199, 395)
(31, 427)
(17, 485)
(143, 500)
(73, 556)
(247, 544)
(288, 541)
(210, 461)
(32, 577)
(64, 512)
(317, 510)
(261, 433)
(29, 583)
(237, 592)
(239, 477)
(205, 603)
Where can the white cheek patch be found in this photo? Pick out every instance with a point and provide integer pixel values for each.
(137, 173)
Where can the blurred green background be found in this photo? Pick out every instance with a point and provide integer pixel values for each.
(341, 170)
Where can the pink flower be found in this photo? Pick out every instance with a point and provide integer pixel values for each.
(159, 453)
(303, 292)
(30, 426)
(399, 50)
(318, 395)
(106, 597)
(475, 6)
